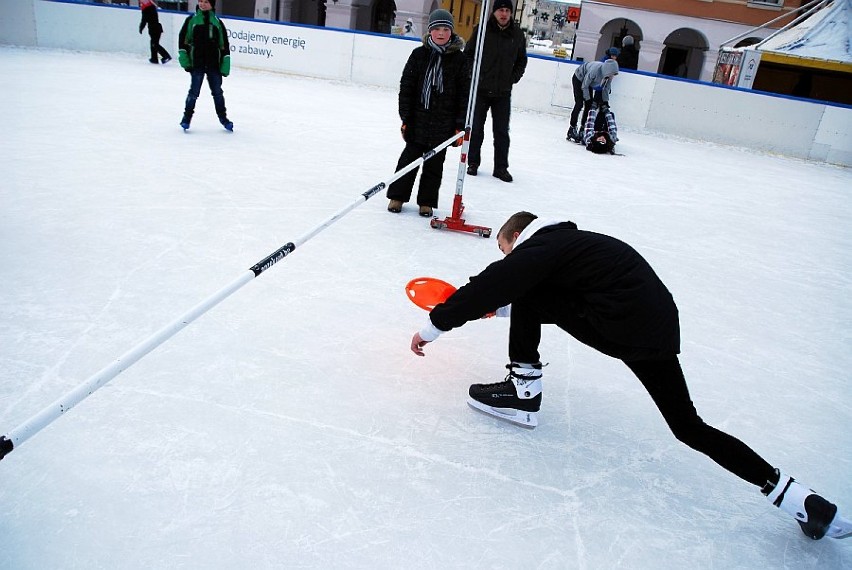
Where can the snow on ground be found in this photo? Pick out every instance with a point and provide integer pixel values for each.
(290, 427)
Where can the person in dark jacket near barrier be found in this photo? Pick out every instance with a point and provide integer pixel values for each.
(433, 92)
(205, 51)
(504, 60)
(151, 19)
(604, 293)
(629, 56)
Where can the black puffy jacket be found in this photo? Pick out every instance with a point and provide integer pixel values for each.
(504, 58)
(588, 280)
(447, 109)
(204, 40)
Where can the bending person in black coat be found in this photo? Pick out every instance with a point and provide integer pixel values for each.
(433, 93)
(603, 293)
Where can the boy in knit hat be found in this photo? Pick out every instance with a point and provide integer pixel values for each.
(504, 60)
(204, 51)
(433, 94)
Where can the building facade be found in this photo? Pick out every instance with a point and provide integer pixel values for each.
(677, 37)
(380, 16)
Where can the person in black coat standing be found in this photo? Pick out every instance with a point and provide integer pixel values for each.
(151, 19)
(629, 56)
(504, 60)
(604, 293)
(433, 92)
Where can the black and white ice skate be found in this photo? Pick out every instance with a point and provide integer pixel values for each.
(816, 516)
(517, 399)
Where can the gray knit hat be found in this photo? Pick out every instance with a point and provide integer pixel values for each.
(610, 68)
(441, 17)
(627, 41)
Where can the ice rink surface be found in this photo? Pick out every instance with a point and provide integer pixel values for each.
(291, 427)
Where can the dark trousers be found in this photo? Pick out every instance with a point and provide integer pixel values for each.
(156, 48)
(430, 178)
(662, 377)
(501, 108)
(579, 104)
(214, 80)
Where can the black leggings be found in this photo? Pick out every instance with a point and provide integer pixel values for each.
(662, 378)
(665, 383)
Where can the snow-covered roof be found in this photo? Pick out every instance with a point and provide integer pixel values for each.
(825, 35)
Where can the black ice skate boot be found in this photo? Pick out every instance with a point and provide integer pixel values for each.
(815, 515)
(516, 399)
(187, 118)
(573, 134)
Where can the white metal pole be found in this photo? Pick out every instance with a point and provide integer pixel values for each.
(42, 419)
(471, 98)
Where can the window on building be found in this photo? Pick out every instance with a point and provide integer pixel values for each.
(778, 3)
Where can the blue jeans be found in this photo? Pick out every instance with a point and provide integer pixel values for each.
(214, 80)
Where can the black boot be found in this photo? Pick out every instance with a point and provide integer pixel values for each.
(187, 118)
(503, 175)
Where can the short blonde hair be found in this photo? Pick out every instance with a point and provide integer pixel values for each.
(516, 223)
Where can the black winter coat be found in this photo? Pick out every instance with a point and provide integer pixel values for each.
(602, 282)
(504, 58)
(628, 58)
(204, 38)
(151, 19)
(448, 109)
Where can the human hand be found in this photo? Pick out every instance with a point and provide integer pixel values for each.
(460, 140)
(402, 130)
(417, 344)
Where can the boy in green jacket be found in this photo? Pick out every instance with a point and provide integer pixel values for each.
(204, 50)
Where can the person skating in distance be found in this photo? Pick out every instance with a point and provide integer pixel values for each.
(602, 292)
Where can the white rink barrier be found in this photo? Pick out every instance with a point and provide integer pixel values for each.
(642, 101)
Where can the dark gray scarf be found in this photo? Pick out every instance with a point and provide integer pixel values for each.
(434, 71)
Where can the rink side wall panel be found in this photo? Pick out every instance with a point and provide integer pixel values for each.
(645, 101)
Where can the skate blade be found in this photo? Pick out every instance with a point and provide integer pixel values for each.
(839, 528)
(528, 420)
